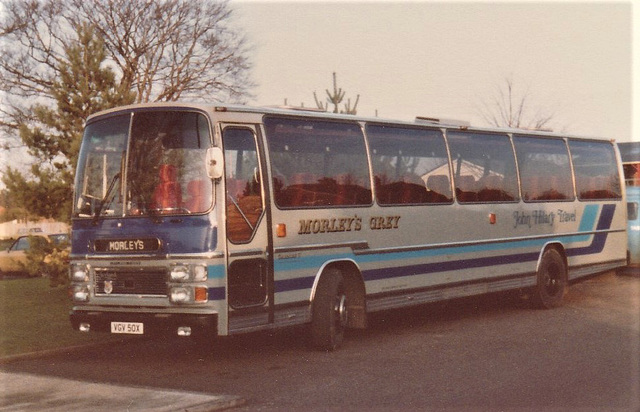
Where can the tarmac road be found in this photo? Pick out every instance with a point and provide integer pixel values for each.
(493, 353)
(25, 392)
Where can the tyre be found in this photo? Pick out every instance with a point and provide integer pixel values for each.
(329, 311)
(551, 282)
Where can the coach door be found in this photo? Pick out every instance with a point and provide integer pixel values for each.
(246, 224)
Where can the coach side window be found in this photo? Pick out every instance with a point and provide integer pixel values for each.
(484, 167)
(596, 170)
(317, 163)
(545, 172)
(410, 165)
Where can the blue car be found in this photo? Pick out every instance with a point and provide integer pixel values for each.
(630, 154)
(633, 226)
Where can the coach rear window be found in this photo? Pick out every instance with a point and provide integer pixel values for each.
(595, 168)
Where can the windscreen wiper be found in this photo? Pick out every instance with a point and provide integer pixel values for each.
(103, 202)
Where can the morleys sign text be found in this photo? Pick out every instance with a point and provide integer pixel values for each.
(127, 245)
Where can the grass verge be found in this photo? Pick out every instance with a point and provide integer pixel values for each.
(35, 317)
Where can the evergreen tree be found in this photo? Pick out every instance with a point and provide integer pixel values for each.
(53, 74)
(48, 194)
(84, 87)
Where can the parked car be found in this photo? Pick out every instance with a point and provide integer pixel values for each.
(60, 239)
(13, 259)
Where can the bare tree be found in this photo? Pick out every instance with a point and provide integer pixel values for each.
(336, 98)
(509, 107)
(63, 60)
(161, 49)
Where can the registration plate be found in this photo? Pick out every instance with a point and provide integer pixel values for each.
(132, 328)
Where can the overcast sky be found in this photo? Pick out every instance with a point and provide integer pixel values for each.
(444, 59)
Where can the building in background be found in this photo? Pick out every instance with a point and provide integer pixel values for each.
(15, 228)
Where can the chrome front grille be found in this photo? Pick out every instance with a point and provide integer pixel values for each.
(127, 282)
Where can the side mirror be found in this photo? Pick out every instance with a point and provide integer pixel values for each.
(215, 162)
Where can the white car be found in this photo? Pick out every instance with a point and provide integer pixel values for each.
(13, 259)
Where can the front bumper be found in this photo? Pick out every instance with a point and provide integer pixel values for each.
(154, 323)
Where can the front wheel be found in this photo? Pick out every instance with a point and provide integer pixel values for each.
(551, 282)
(329, 312)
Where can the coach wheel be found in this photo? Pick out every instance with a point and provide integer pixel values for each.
(551, 281)
(329, 319)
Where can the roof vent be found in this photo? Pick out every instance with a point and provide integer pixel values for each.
(442, 122)
(298, 108)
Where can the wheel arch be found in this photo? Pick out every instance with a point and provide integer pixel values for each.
(552, 277)
(559, 247)
(354, 286)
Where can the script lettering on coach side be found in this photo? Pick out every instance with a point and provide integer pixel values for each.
(542, 217)
(384, 222)
(346, 224)
(335, 224)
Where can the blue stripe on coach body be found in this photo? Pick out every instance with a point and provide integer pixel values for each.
(586, 225)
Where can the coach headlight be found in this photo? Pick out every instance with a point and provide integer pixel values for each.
(79, 273)
(181, 295)
(199, 273)
(80, 293)
(188, 273)
(180, 273)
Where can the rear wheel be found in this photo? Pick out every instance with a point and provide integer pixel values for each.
(551, 283)
(329, 315)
